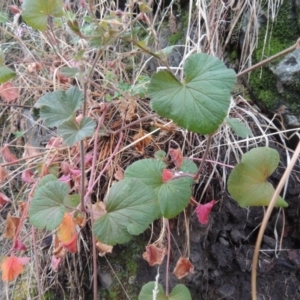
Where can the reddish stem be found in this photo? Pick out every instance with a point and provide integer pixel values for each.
(168, 258)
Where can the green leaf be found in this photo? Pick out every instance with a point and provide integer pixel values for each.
(71, 201)
(239, 128)
(72, 132)
(146, 292)
(6, 74)
(57, 107)
(130, 209)
(247, 183)
(160, 155)
(149, 171)
(174, 196)
(47, 207)
(201, 102)
(180, 292)
(69, 72)
(3, 17)
(171, 196)
(36, 12)
(45, 179)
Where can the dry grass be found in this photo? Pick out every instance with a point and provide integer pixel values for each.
(211, 28)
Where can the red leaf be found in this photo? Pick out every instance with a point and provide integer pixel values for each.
(12, 267)
(71, 246)
(8, 92)
(154, 255)
(166, 175)
(55, 262)
(183, 268)
(14, 9)
(27, 176)
(3, 199)
(7, 155)
(176, 156)
(65, 167)
(19, 246)
(203, 211)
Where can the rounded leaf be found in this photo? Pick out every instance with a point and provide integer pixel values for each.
(130, 208)
(247, 183)
(201, 102)
(36, 12)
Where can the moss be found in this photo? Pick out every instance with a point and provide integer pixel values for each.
(174, 38)
(282, 34)
(264, 86)
(125, 266)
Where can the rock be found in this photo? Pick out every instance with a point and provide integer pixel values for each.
(106, 280)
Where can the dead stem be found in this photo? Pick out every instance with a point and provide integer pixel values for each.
(284, 52)
(197, 175)
(168, 256)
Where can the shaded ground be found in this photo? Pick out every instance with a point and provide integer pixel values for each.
(222, 252)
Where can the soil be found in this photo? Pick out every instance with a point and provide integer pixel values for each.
(222, 251)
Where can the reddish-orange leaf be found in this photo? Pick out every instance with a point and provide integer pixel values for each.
(166, 175)
(66, 228)
(71, 246)
(7, 155)
(3, 199)
(176, 156)
(12, 224)
(143, 143)
(3, 174)
(103, 248)
(154, 255)
(8, 92)
(183, 268)
(12, 267)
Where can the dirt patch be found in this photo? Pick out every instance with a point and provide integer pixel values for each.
(222, 252)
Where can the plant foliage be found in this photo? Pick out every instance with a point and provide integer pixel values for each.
(248, 184)
(199, 103)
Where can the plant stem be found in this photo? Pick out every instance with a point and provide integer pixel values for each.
(92, 174)
(36, 263)
(197, 175)
(95, 265)
(284, 52)
(105, 167)
(263, 226)
(82, 167)
(168, 257)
